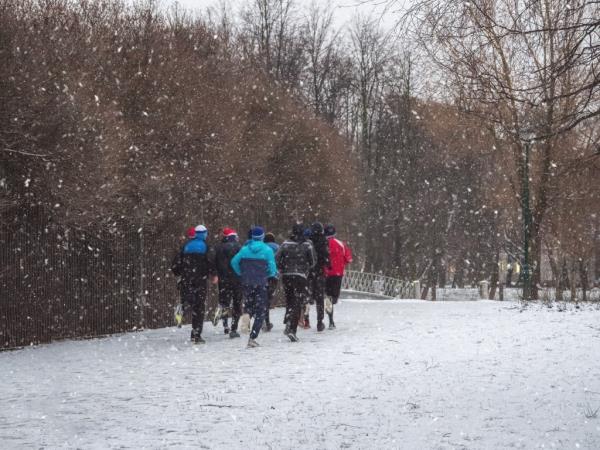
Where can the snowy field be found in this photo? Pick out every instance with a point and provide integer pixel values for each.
(395, 374)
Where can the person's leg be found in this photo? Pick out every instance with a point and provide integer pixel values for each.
(227, 304)
(202, 308)
(260, 309)
(319, 295)
(286, 318)
(308, 300)
(198, 305)
(298, 292)
(270, 294)
(329, 291)
(248, 308)
(236, 294)
(268, 326)
(333, 287)
(286, 313)
(196, 330)
(224, 302)
(288, 291)
(183, 302)
(305, 315)
(223, 295)
(187, 299)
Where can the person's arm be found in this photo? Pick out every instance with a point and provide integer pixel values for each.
(211, 256)
(347, 254)
(235, 263)
(312, 257)
(279, 257)
(272, 266)
(215, 273)
(327, 255)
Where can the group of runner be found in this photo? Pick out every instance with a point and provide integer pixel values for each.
(310, 265)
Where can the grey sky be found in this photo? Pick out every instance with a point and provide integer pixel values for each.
(344, 9)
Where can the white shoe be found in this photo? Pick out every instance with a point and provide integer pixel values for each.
(328, 305)
(245, 325)
(252, 343)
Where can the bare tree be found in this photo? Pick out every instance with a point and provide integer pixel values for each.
(272, 38)
(529, 69)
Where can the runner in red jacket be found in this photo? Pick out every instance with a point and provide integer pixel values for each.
(340, 255)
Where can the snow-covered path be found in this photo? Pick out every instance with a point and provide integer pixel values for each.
(395, 374)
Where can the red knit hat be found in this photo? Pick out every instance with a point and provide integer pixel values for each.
(229, 232)
(191, 232)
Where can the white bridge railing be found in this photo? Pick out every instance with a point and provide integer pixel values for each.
(371, 283)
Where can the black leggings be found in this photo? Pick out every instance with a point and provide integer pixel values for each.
(318, 294)
(230, 296)
(294, 287)
(195, 297)
(270, 293)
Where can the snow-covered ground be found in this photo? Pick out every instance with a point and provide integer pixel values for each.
(395, 374)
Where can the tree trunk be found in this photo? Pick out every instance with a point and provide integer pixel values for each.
(435, 273)
(535, 258)
(583, 278)
(596, 267)
(459, 274)
(560, 285)
(554, 268)
(573, 273)
(494, 278)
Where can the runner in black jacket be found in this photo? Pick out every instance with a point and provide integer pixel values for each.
(230, 288)
(295, 258)
(317, 276)
(193, 264)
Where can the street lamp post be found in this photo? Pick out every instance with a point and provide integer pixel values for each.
(526, 212)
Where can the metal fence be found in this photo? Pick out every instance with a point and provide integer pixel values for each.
(62, 283)
(377, 284)
(58, 283)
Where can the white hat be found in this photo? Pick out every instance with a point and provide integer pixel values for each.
(201, 229)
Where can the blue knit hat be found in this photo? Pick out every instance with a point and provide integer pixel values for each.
(258, 234)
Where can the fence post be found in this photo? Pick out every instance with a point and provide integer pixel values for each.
(378, 285)
(484, 288)
(416, 289)
(140, 300)
(502, 275)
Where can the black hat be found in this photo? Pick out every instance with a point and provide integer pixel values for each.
(298, 230)
(317, 228)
